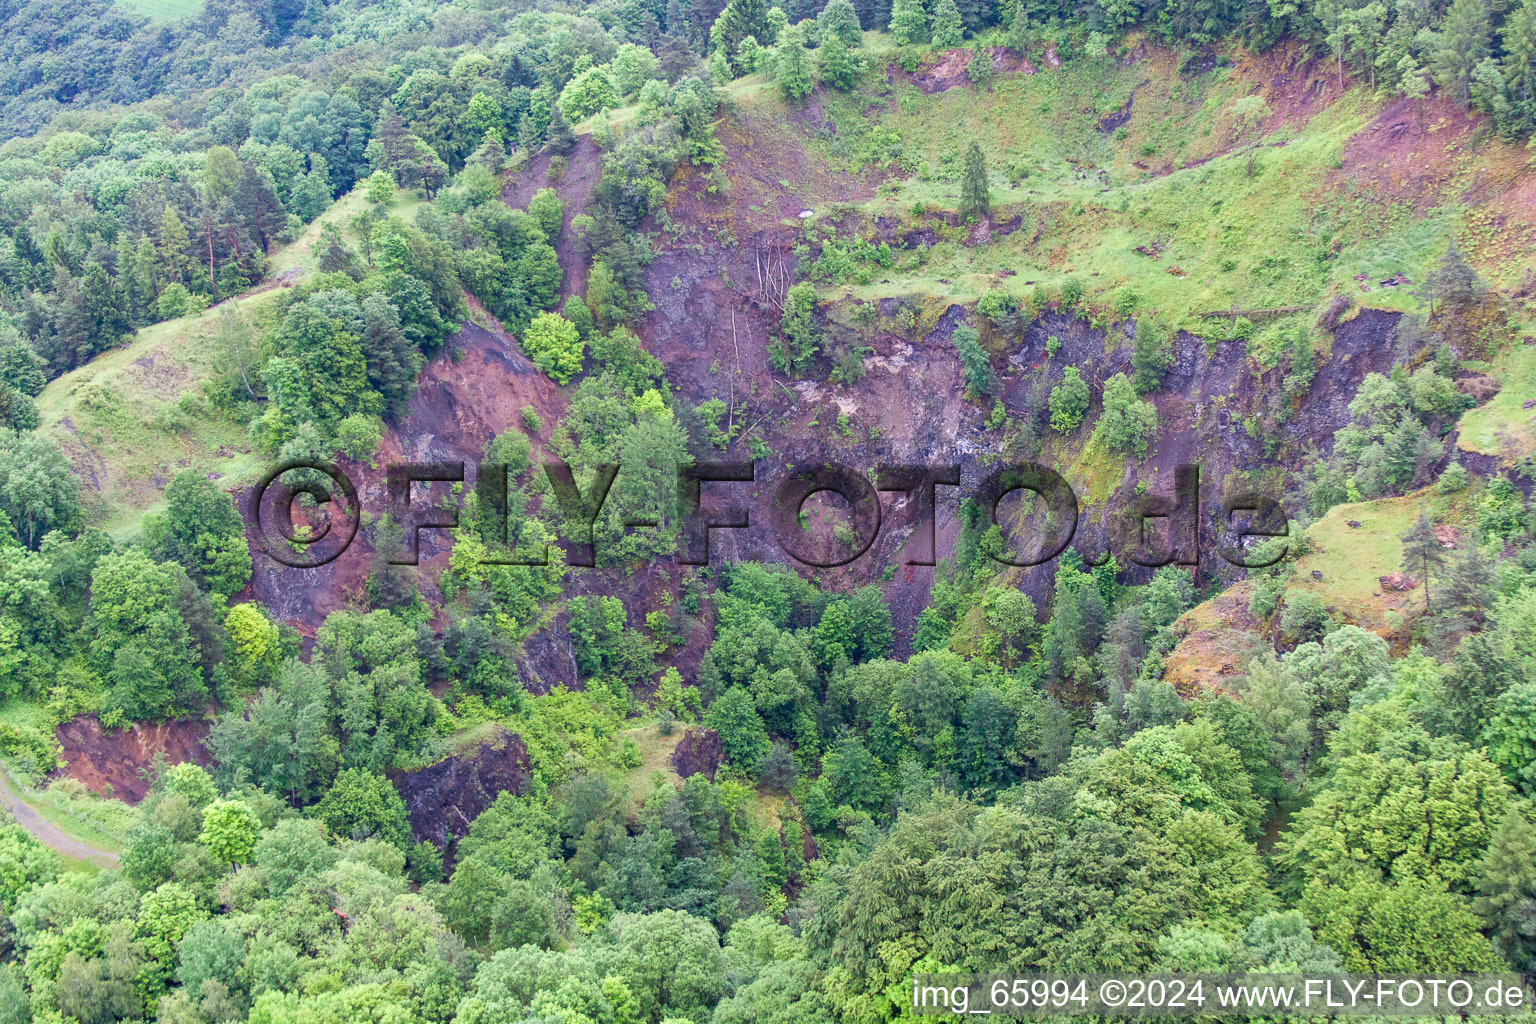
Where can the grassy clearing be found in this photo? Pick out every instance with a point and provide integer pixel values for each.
(655, 757)
(135, 416)
(1226, 215)
(75, 810)
(163, 10)
(299, 255)
(1502, 426)
(1352, 559)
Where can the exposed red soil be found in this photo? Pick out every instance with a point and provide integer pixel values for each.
(118, 764)
(1420, 152)
(1295, 82)
(459, 405)
(1409, 151)
(1219, 639)
(949, 71)
(582, 168)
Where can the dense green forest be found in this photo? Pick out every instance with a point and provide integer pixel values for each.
(305, 208)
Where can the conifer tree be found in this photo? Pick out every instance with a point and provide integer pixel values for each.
(975, 192)
(741, 18)
(840, 66)
(173, 245)
(792, 65)
(839, 19)
(909, 21)
(979, 68)
(1422, 551)
(948, 30)
(560, 137)
(973, 359)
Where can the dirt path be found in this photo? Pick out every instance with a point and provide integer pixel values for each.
(47, 833)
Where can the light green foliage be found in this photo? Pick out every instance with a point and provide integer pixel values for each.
(547, 209)
(800, 336)
(1069, 401)
(37, 491)
(586, 94)
(229, 831)
(632, 67)
(792, 65)
(1126, 422)
(909, 22)
(554, 345)
(361, 805)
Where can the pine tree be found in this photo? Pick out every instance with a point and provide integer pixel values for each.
(873, 14)
(389, 131)
(138, 293)
(1519, 42)
(948, 30)
(979, 69)
(1018, 27)
(839, 19)
(1453, 281)
(1470, 583)
(1422, 551)
(975, 192)
(741, 18)
(173, 245)
(560, 137)
(1151, 353)
(909, 21)
(1506, 887)
(393, 362)
(146, 275)
(1459, 46)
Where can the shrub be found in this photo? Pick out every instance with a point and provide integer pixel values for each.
(1304, 617)
(1127, 421)
(1069, 401)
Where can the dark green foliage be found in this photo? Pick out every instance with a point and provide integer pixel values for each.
(975, 190)
(1151, 353)
(974, 362)
(739, 19)
(1422, 554)
(800, 337)
(202, 531)
(743, 738)
(362, 805)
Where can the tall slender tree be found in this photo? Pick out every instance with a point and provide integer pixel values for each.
(1422, 551)
(975, 192)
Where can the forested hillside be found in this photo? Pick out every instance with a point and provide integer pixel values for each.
(556, 770)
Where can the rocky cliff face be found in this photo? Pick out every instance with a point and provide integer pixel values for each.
(441, 800)
(698, 752)
(121, 763)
